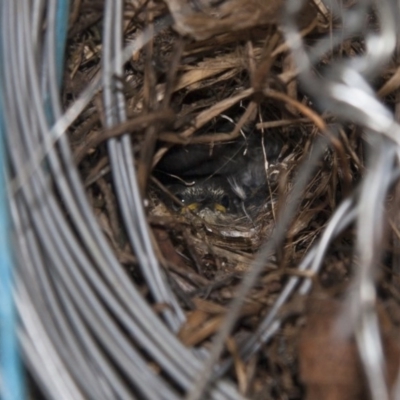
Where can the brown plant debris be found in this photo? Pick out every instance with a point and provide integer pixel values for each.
(220, 128)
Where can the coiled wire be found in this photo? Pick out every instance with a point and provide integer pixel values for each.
(84, 329)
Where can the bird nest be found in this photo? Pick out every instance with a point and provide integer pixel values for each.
(211, 108)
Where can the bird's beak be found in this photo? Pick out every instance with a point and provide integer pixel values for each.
(219, 207)
(190, 207)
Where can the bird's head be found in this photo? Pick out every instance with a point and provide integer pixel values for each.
(210, 199)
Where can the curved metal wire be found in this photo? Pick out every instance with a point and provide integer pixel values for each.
(86, 321)
(122, 166)
(85, 330)
(11, 378)
(347, 92)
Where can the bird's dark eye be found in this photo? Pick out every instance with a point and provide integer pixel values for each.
(225, 201)
(176, 206)
(180, 197)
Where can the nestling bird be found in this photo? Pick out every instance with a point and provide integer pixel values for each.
(227, 178)
(210, 198)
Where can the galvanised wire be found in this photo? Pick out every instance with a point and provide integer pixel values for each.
(11, 377)
(345, 90)
(346, 93)
(122, 166)
(72, 294)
